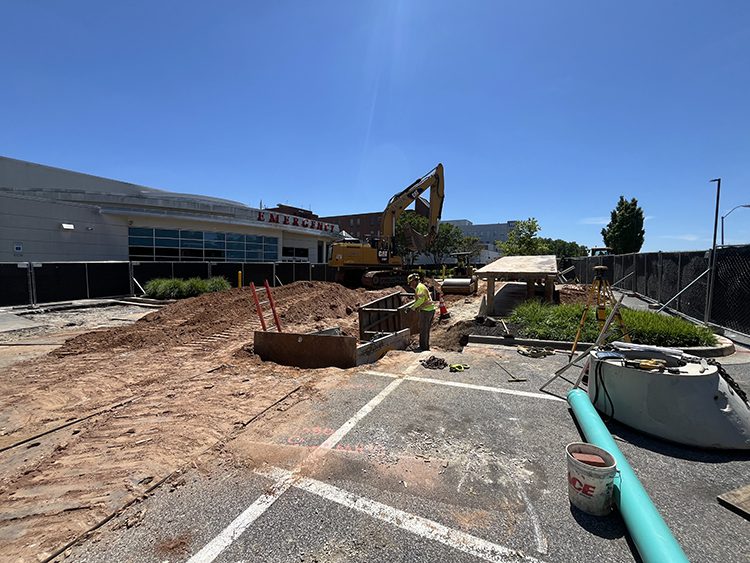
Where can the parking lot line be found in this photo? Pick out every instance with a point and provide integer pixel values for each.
(449, 383)
(235, 529)
(417, 525)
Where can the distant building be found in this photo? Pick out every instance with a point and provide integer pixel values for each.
(53, 215)
(487, 233)
(367, 225)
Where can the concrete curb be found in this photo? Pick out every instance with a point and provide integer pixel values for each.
(725, 347)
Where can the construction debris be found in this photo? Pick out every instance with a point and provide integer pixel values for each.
(433, 362)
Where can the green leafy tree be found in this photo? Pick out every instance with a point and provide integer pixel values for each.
(522, 240)
(448, 239)
(472, 245)
(404, 246)
(625, 233)
(564, 249)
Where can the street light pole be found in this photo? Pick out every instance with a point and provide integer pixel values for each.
(712, 259)
(727, 215)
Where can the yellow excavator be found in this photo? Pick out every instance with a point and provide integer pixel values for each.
(374, 264)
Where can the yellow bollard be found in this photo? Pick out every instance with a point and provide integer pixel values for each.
(239, 278)
(443, 271)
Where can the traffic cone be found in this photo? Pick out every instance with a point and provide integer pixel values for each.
(444, 314)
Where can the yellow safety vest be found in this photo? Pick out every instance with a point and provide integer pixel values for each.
(422, 301)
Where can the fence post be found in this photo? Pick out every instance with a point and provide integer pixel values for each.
(209, 270)
(660, 268)
(29, 267)
(86, 273)
(130, 275)
(679, 280)
(274, 275)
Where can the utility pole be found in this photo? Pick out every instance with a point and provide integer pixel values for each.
(712, 258)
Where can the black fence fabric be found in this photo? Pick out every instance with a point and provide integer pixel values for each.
(16, 284)
(27, 283)
(662, 275)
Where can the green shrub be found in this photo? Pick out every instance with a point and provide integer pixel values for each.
(165, 288)
(560, 322)
(217, 284)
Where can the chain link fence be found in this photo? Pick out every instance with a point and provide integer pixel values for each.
(660, 276)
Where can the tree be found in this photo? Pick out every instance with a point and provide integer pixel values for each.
(472, 245)
(448, 240)
(564, 249)
(522, 240)
(624, 233)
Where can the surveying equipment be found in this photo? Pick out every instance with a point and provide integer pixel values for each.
(600, 293)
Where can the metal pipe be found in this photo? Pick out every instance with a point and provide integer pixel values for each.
(683, 290)
(712, 262)
(622, 279)
(652, 537)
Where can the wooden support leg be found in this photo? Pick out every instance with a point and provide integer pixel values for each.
(529, 289)
(549, 289)
(490, 296)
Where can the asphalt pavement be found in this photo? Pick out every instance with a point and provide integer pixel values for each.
(395, 462)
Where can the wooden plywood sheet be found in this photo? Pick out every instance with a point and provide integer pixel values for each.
(520, 266)
(737, 500)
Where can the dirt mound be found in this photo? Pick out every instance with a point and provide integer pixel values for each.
(302, 306)
(574, 293)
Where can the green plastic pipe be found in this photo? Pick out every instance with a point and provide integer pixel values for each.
(651, 535)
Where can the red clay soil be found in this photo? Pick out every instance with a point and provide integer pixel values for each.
(302, 306)
(142, 401)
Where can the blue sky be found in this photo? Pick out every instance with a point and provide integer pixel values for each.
(546, 109)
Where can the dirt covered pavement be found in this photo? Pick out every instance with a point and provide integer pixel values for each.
(110, 414)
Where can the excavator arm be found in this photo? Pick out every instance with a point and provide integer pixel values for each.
(432, 181)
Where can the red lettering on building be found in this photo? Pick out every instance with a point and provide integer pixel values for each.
(261, 216)
(286, 219)
(295, 221)
(305, 223)
(273, 218)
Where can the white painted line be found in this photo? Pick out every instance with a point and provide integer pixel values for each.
(412, 523)
(449, 383)
(336, 437)
(212, 550)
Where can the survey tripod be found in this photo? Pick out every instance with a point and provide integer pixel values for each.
(601, 294)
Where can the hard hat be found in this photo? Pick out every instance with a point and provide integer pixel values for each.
(412, 277)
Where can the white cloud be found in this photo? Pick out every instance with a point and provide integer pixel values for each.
(593, 221)
(649, 217)
(682, 237)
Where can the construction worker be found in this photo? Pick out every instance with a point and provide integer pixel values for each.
(423, 304)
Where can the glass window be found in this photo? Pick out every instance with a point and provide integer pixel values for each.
(140, 232)
(191, 244)
(254, 256)
(214, 236)
(236, 255)
(255, 246)
(271, 255)
(140, 241)
(301, 252)
(235, 245)
(254, 239)
(214, 254)
(234, 237)
(214, 244)
(287, 252)
(191, 254)
(167, 243)
(271, 240)
(141, 251)
(172, 254)
(195, 235)
(168, 233)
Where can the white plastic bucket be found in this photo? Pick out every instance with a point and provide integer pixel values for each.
(589, 486)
